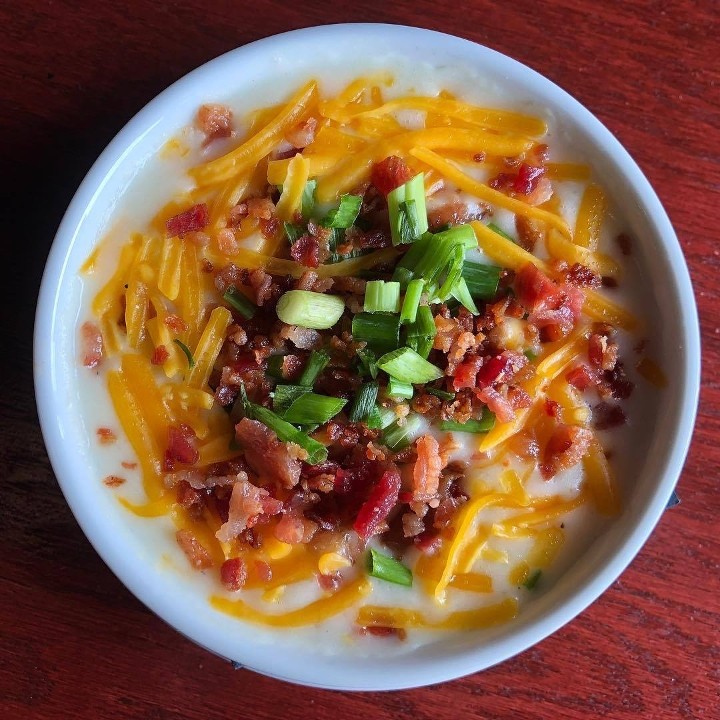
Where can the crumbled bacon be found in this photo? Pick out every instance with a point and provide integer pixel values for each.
(265, 454)
(306, 251)
(261, 283)
(582, 276)
(390, 173)
(181, 447)
(601, 352)
(233, 574)
(196, 554)
(129, 465)
(565, 448)
(176, 324)
(535, 290)
(449, 209)
(527, 179)
(227, 243)
(113, 481)
(552, 408)
(412, 525)
(529, 232)
(260, 208)
(187, 495)
(105, 436)
(497, 403)
(426, 471)
(375, 510)
(607, 416)
(303, 134)
(247, 503)
(501, 368)
(582, 377)
(303, 338)
(160, 355)
(616, 380)
(195, 218)
(91, 344)
(215, 121)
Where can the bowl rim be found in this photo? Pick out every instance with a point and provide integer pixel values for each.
(412, 674)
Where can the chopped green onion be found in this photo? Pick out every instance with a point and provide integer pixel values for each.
(453, 272)
(482, 280)
(380, 418)
(530, 355)
(308, 199)
(410, 305)
(471, 426)
(286, 395)
(275, 366)
(461, 293)
(293, 232)
(381, 296)
(364, 402)
(381, 331)
(397, 389)
(532, 579)
(442, 394)
(421, 334)
(241, 303)
(345, 214)
(316, 451)
(313, 367)
(310, 309)
(462, 235)
(242, 407)
(407, 211)
(397, 436)
(407, 366)
(387, 568)
(500, 231)
(367, 360)
(310, 408)
(186, 350)
(402, 275)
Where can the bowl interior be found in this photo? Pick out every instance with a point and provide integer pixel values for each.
(265, 71)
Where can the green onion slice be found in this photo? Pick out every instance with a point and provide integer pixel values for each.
(387, 568)
(240, 302)
(532, 580)
(308, 199)
(364, 402)
(275, 366)
(407, 211)
(367, 361)
(293, 232)
(186, 350)
(313, 367)
(461, 293)
(308, 309)
(381, 331)
(380, 418)
(411, 302)
(482, 280)
(442, 394)
(285, 395)
(345, 214)
(407, 366)
(500, 231)
(397, 389)
(485, 424)
(317, 452)
(310, 409)
(381, 296)
(397, 437)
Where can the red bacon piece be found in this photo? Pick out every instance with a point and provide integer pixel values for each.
(466, 373)
(390, 173)
(182, 447)
(192, 220)
(527, 179)
(233, 574)
(374, 511)
(535, 290)
(582, 377)
(500, 405)
(91, 342)
(501, 368)
(306, 251)
(565, 448)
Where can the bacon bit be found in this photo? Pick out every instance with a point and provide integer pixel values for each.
(542, 152)
(191, 220)
(196, 554)
(565, 448)
(160, 355)
(237, 335)
(113, 481)
(601, 353)
(233, 574)
(291, 529)
(607, 415)
(617, 381)
(129, 465)
(306, 251)
(237, 214)
(383, 631)
(501, 368)
(91, 341)
(374, 511)
(552, 408)
(480, 157)
(535, 290)
(302, 134)
(582, 276)
(182, 447)
(261, 283)
(176, 324)
(390, 173)
(265, 454)
(429, 542)
(502, 182)
(497, 403)
(528, 177)
(455, 212)
(227, 244)
(624, 243)
(525, 446)
(263, 571)
(206, 266)
(582, 377)
(349, 284)
(329, 583)
(261, 208)
(247, 503)
(412, 525)
(529, 232)
(106, 436)
(374, 453)
(187, 495)
(269, 228)
(303, 338)
(215, 121)
(426, 472)
(518, 398)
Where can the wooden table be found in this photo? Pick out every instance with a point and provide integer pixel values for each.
(74, 643)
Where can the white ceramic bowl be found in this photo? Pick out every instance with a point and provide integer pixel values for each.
(129, 545)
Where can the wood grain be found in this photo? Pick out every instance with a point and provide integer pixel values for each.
(74, 642)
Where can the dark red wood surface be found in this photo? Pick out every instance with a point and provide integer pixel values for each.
(73, 642)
